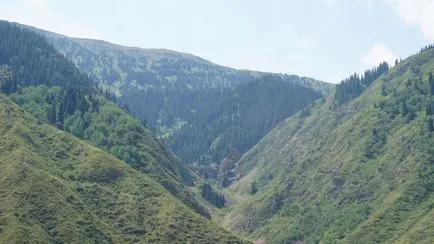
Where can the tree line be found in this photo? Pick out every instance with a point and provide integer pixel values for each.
(353, 86)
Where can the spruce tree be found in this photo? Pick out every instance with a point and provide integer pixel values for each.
(431, 84)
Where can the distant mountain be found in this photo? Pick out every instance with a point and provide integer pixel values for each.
(55, 188)
(181, 96)
(356, 167)
(126, 69)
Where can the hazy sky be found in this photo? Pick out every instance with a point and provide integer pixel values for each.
(324, 39)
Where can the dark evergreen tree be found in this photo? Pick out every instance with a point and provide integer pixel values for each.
(214, 197)
(383, 90)
(253, 187)
(429, 108)
(404, 109)
(51, 116)
(430, 125)
(431, 84)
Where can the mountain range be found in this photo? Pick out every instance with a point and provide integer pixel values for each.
(108, 144)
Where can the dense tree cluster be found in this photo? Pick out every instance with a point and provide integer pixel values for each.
(33, 62)
(210, 122)
(418, 95)
(216, 198)
(353, 86)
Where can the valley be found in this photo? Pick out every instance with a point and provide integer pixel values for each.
(102, 143)
(203, 111)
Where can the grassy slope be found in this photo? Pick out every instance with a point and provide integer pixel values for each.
(57, 188)
(360, 173)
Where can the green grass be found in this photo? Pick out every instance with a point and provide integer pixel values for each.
(56, 188)
(358, 173)
(115, 131)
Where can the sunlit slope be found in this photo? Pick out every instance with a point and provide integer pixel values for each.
(56, 188)
(362, 172)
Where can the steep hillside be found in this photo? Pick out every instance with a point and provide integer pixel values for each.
(55, 188)
(361, 172)
(178, 95)
(49, 86)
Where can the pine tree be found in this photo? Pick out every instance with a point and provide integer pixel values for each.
(61, 113)
(404, 109)
(253, 188)
(429, 109)
(215, 198)
(51, 115)
(430, 125)
(383, 90)
(431, 84)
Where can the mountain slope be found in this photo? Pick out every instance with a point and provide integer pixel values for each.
(129, 68)
(49, 86)
(56, 188)
(362, 172)
(231, 124)
(178, 95)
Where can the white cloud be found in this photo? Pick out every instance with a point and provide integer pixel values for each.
(377, 54)
(416, 12)
(301, 41)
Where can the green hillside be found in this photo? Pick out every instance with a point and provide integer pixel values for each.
(58, 189)
(360, 172)
(48, 85)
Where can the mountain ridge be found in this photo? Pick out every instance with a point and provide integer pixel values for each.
(156, 50)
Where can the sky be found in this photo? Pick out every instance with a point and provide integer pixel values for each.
(324, 39)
